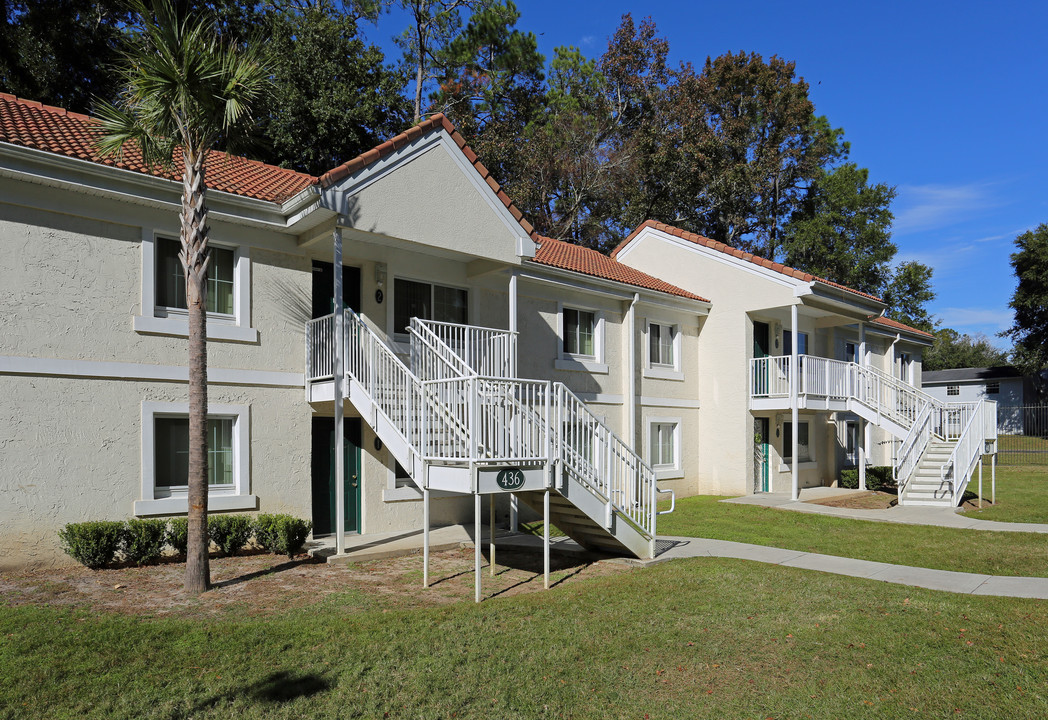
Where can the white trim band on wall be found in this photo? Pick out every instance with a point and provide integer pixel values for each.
(12, 365)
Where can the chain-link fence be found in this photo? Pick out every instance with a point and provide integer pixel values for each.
(1023, 434)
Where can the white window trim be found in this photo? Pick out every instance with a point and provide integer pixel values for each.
(236, 498)
(785, 466)
(663, 372)
(581, 363)
(666, 472)
(156, 320)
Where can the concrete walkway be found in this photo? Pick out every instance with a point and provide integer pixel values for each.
(672, 548)
(939, 517)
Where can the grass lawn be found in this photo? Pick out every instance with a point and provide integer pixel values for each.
(993, 553)
(1022, 495)
(704, 638)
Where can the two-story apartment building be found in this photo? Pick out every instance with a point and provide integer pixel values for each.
(471, 347)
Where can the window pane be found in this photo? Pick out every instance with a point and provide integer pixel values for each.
(803, 448)
(654, 354)
(787, 441)
(571, 331)
(666, 346)
(666, 444)
(171, 446)
(220, 281)
(450, 305)
(411, 299)
(586, 327)
(171, 280)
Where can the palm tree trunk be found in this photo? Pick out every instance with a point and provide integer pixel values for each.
(195, 257)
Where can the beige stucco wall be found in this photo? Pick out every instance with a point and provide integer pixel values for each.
(71, 452)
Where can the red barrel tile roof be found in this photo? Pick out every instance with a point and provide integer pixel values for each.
(42, 127)
(895, 324)
(568, 256)
(735, 252)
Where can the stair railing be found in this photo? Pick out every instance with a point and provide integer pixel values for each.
(913, 447)
(971, 444)
(489, 352)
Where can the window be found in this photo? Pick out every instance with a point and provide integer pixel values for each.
(171, 444)
(664, 446)
(164, 307)
(171, 278)
(580, 330)
(165, 458)
(851, 442)
(904, 367)
(661, 339)
(803, 444)
(953, 389)
(427, 302)
(787, 343)
(993, 388)
(849, 352)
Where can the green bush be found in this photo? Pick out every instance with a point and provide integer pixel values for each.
(281, 534)
(143, 541)
(178, 534)
(93, 544)
(229, 532)
(878, 477)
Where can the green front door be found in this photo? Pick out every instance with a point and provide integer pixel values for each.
(761, 455)
(323, 471)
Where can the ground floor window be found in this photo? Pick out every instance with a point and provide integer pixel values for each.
(803, 442)
(165, 458)
(664, 445)
(851, 442)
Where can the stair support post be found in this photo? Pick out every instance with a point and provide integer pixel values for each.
(545, 540)
(425, 536)
(476, 546)
(491, 533)
(863, 439)
(980, 482)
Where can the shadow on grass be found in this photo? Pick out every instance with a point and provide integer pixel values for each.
(289, 565)
(277, 688)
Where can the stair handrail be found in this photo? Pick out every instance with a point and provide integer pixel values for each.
(488, 352)
(913, 447)
(969, 448)
(429, 352)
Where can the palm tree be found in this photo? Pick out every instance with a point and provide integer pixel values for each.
(184, 91)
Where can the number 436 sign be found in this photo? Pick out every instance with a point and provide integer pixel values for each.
(510, 479)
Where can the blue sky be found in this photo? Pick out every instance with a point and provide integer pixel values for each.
(946, 101)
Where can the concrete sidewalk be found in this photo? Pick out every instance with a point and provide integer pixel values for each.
(672, 548)
(912, 515)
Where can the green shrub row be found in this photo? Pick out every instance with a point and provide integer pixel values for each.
(878, 477)
(97, 544)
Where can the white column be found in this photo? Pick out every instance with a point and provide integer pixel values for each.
(514, 506)
(477, 529)
(631, 369)
(340, 424)
(425, 537)
(545, 538)
(491, 533)
(794, 403)
(865, 426)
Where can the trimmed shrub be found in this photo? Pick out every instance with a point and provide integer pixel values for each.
(282, 534)
(229, 532)
(178, 534)
(93, 544)
(878, 478)
(143, 541)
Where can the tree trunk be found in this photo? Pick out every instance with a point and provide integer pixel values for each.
(195, 256)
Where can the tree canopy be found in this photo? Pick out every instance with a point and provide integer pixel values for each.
(952, 350)
(1030, 300)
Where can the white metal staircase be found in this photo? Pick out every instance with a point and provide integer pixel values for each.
(941, 443)
(457, 419)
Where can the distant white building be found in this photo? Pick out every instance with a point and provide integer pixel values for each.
(1005, 385)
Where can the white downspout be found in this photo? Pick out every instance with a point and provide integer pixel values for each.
(864, 440)
(514, 505)
(631, 380)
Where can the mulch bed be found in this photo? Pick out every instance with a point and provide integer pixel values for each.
(258, 584)
(860, 501)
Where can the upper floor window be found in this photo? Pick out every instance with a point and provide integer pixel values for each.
(580, 332)
(787, 343)
(953, 389)
(993, 388)
(171, 278)
(164, 306)
(661, 342)
(905, 364)
(849, 352)
(427, 302)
